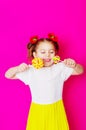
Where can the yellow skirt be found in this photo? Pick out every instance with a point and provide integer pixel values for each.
(47, 117)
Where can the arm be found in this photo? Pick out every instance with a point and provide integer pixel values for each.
(78, 69)
(11, 72)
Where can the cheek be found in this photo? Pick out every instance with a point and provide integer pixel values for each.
(37, 54)
(52, 55)
(40, 55)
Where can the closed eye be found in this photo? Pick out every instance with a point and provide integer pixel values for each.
(42, 52)
(52, 52)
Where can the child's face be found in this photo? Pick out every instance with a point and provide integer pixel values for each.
(46, 51)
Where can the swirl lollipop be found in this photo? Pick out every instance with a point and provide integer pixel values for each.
(37, 63)
(56, 59)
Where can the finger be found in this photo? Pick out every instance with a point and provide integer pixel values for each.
(68, 62)
(65, 61)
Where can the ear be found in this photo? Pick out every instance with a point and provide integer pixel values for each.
(34, 54)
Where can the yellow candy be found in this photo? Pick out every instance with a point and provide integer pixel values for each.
(37, 63)
(56, 59)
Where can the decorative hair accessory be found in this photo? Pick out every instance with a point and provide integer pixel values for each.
(52, 37)
(56, 59)
(33, 39)
(37, 63)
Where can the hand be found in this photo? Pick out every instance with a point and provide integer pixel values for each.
(22, 67)
(70, 63)
(10, 73)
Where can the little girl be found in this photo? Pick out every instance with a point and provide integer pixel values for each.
(46, 84)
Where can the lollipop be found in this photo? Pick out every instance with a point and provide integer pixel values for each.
(56, 59)
(37, 63)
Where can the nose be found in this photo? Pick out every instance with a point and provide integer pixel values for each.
(47, 54)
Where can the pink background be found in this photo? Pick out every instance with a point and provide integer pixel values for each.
(18, 21)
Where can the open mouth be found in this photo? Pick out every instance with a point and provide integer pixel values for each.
(47, 60)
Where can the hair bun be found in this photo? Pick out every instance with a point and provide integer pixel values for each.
(52, 37)
(33, 39)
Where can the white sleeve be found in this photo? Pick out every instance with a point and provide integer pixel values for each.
(24, 76)
(66, 72)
